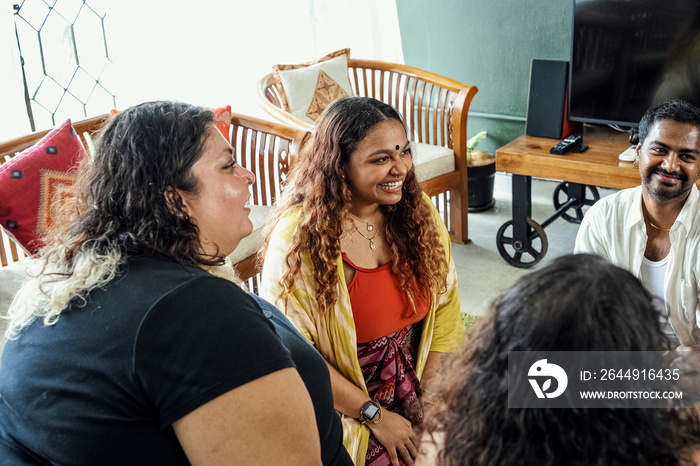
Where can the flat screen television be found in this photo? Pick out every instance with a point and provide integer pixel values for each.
(630, 54)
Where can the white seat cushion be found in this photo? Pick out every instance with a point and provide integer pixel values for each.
(251, 243)
(432, 161)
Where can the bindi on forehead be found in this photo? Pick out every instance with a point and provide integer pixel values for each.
(397, 147)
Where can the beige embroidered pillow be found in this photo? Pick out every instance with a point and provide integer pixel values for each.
(308, 88)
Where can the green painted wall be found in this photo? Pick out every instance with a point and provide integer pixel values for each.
(488, 43)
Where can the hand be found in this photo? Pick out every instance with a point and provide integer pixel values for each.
(395, 433)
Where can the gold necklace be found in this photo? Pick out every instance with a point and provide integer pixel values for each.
(646, 217)
(658, 228)
(372, 244)
(370, 227)
(353, 229)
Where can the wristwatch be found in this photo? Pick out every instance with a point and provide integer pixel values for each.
(371, 411)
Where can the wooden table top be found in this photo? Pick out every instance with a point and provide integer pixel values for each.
(598, 166)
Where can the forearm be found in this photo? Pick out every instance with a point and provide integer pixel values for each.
(431, 374)
(392, 430)
(348, 398)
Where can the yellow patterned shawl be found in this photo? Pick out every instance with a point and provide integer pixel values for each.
(335, 336)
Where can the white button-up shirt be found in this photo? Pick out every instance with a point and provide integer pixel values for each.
(614, 228)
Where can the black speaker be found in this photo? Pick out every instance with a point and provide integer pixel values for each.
(546, 103)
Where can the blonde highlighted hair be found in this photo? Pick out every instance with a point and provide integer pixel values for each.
(126, 204)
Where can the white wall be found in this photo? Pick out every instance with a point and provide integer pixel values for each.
(210, 52)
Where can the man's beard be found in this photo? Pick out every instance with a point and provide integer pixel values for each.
(659, 190)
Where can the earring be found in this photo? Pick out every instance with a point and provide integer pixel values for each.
(636, 163)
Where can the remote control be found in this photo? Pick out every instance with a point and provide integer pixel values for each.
(566, 145)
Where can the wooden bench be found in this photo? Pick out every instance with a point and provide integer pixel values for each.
(263, 147)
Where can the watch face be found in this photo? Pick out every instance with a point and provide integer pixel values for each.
(370, 411)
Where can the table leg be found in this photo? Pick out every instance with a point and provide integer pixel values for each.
(522, 242)
(522, 210)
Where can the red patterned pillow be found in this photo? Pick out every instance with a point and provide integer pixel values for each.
(222, 119)
(31, 181)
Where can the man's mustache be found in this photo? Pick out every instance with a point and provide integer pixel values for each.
(661, 171)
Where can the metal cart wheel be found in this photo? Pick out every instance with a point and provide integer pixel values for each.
(564, 188)
(522, 254)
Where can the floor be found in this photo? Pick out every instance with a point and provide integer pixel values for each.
(482, 272)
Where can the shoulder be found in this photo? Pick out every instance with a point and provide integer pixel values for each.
(287, 223)
(429, 203)
(153, 270)
(177, 294)
(437, 220)
(618, 203)
(143, 281)
(211, 314)
(279, 243)
(204, 293)
(690, 217)
(624, 197)
(693, 200)
(269, 310)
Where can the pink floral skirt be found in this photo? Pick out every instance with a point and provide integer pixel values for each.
(388, 366)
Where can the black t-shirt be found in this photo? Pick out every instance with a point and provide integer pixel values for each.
(314, 372)
(105, 383)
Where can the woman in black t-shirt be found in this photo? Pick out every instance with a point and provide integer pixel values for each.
(123, 350)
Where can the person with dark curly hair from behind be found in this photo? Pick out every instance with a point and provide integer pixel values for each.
(359, 260)
(576, 303)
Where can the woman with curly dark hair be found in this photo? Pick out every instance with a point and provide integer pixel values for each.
(123, 349)
(576, 303)
(360, 261)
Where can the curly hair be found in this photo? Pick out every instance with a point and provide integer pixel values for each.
(577, 303)
(126, 203)
(318, 186)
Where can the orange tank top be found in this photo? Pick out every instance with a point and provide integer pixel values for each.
(379, 306)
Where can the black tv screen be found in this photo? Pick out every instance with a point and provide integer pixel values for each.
(630, 54)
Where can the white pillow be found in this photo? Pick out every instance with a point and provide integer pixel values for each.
(309, 88)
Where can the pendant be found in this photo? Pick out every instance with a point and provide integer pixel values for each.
(370, 227)
(372, 246)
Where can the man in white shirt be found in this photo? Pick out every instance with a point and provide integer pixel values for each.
(653, 230)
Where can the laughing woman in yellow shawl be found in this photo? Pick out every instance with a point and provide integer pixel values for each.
(361, 263)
